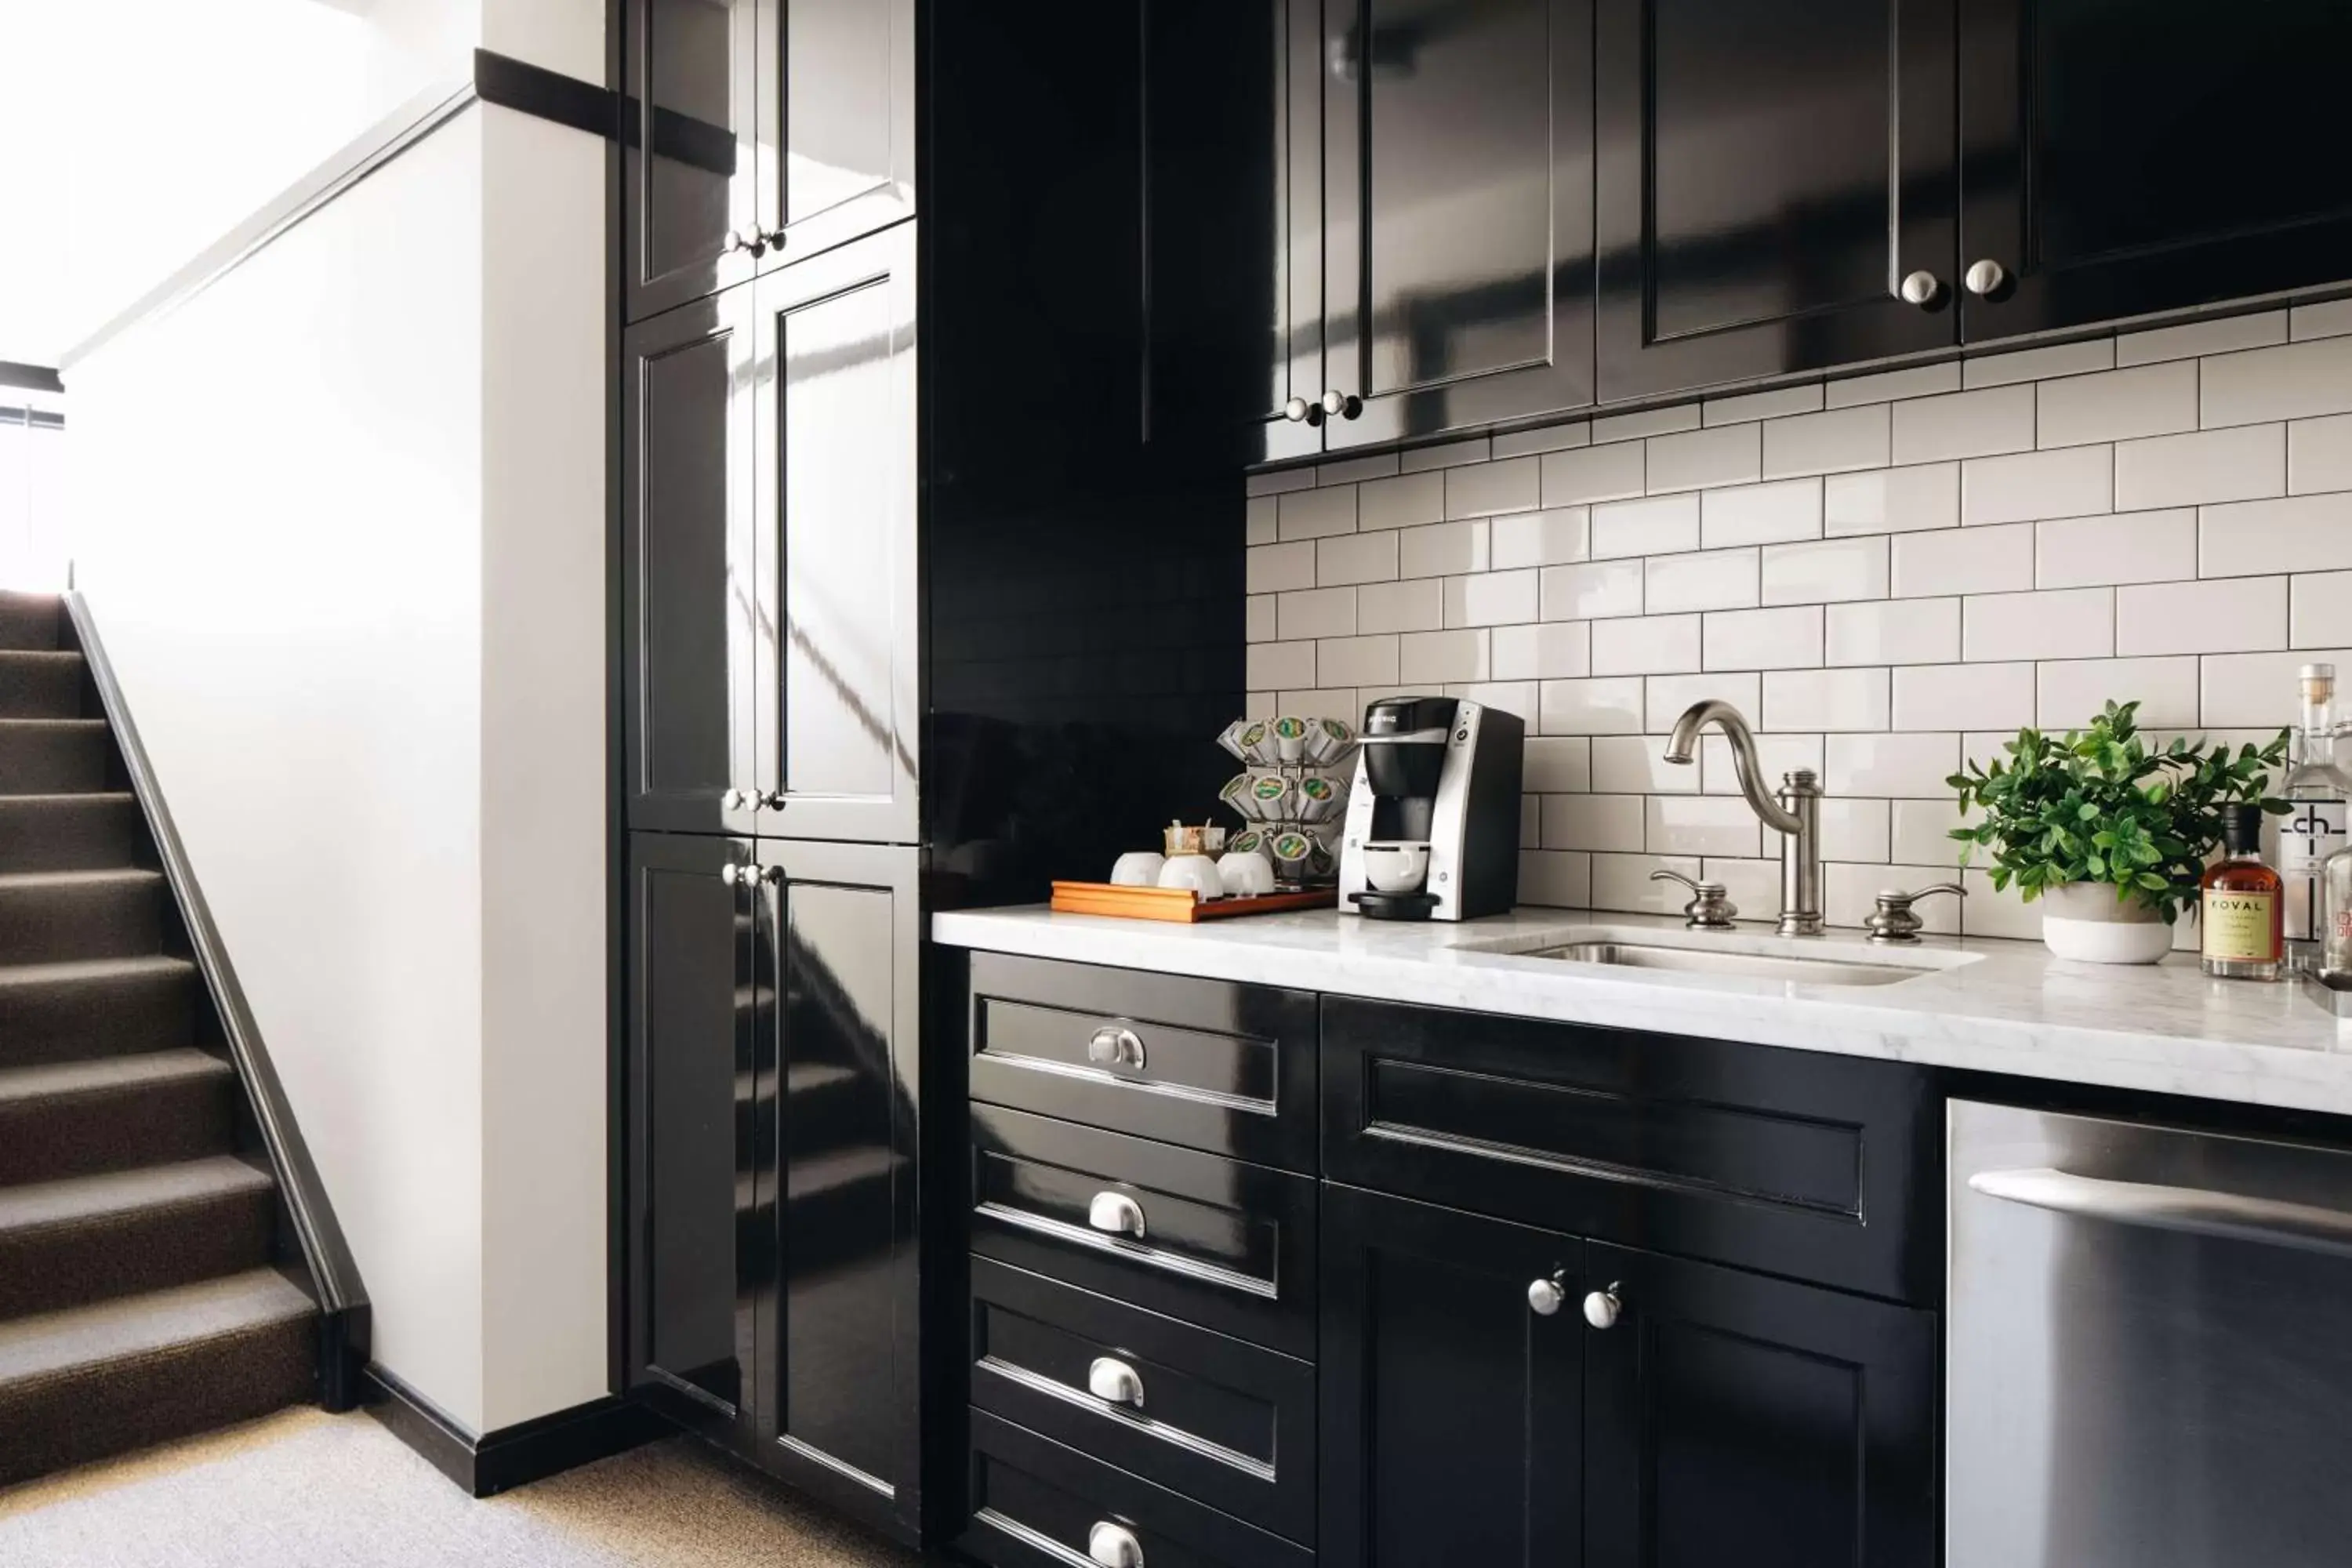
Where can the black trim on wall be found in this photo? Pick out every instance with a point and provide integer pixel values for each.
(35, 378)
(513, 1455)
(548, 95)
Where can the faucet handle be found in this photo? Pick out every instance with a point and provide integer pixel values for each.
(1710, 908)
(1891, 923)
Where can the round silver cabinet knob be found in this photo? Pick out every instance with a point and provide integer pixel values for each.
(774, 239)
(1921, 287)
(775, 800)
(736, 239)
(1116, 1213)
(774, 874)
(1601, 1308)
(1297, 410)
(735, 875)
(1114, 1546)
(1984, 277)
(1111, 1378)
(737, 800)
(1335, 402)
(1115, 1046)
(1545, 1296)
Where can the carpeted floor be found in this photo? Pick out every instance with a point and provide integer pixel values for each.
(304, 1490)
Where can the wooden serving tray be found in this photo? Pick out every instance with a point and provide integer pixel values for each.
(1178, 904)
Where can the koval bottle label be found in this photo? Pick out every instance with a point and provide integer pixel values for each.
(2238, 926)
(2314, 830)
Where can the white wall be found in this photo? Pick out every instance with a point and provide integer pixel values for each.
(341, 523)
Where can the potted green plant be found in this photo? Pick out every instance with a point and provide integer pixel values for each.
(2113, 833)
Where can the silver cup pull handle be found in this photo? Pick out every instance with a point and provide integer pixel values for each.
(1112, 1379)
(1116, 1046)
(1116, 1213)
(1114, 1546)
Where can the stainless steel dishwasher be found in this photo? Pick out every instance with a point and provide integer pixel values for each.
(2149, 1347)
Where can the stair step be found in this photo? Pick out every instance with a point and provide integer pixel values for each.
(40, 684)
(92, 1238)
(110, 1113)
(29, 620)
(109, 1007)
(69, 832)
(89, 1382)
(48, 917)
(52, 756)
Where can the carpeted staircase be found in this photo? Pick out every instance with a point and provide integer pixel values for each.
(138, 1297)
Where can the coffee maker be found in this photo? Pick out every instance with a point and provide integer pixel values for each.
(1432, 823)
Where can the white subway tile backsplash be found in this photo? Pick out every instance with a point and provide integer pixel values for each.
(1967, 696)
(1788, 639)
(1752, 885)
(2129, 547)
(1516, 697)
(1280, 481)
(1636, 764)
(2320, 611)
(1889, 386)
(1400, 502)
(2070, 482)
(1654, 645)
(2319, 455)
(1776, 755)
(2061, 623)
(2147, 400)
(2233, 614)
(1547, 650)
(1411, 607)
(1491, 599)
(1441, 549)
(1902, 766)
(1556, 878)
(1531, 825)
(1892, 501)
(1593, 821)
(1852, 828)
(2257, 690)
(1349, 470)
(1658, 526)
(2244, 464)
(1355, 558)
(2251, 539)
(1276, 664)
(1612, 706)
(2073, 692)
(1919, 832)
(1728, 454)
(1558, 764)
(1261, 619)
(1513, 485)
(1894, 631)
(1595, 474)
(1592, 591)
(1272, 568)
(2036, 364)
(1549, 438)
(1827, 573)
(1761, 514)
(1964, 425)
(1826, 442)
(1316, 613)
(1826, 700)
(1260, 525)
(1539, 538)
(1989, 913)
(2217, 335)
(1622, 883)
(1356, 661)
(1763, 404)
(1711, 580)
(1648, 422)
(2295, 381)
(1433, 658)
(1700, 824)
(1449, 455)
(1971, 561)
(1669, 695)
(2330, 318)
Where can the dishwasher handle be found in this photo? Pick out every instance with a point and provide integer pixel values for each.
(2194, 1210)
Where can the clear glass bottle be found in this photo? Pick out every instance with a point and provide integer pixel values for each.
(2335, 885)
(2318, 789)
(2243, 904)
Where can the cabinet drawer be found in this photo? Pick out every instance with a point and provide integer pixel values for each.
(1214, 1418)
(1036, 1504)
(1223, 1244)
(1228, 1068)
(1814, 1166)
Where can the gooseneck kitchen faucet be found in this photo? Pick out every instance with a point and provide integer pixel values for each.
(1796, 814)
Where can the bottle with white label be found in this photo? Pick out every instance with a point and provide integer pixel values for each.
(2314, 830)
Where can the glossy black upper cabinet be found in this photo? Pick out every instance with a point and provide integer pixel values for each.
(2126, 156)
(1457, 214)
(1777, 187)
(1450, 1428)
(688, 607)
(758, 131)
(835, 609)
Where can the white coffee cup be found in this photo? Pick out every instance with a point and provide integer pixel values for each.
(1137, 869)
(1247, 873)
(1396, 866)
(1197, 872)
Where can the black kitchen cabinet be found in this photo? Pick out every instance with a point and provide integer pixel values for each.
(757, 132)
(772, 1087)
(1450, 1422)
(2126, 156)
(1772, 172)
(768, 512)
(1732, 1417)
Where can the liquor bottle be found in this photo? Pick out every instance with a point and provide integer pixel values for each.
(2244, 903)
(2336, 884)
(2318, 791)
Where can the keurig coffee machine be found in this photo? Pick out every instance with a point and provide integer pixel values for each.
(1432, 825)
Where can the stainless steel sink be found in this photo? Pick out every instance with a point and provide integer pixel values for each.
(1741, 966)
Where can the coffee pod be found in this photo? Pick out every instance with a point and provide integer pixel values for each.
(1319, 800)
(1236, 794)
(1290, 740)
(1329, 741)
(1271, 792)
(1292, 854)
(1248, 841)
(1256, 743)
(1231, 739)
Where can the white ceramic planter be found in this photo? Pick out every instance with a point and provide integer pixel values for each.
(2082, 920)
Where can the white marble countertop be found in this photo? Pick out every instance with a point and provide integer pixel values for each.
(1982, 1004)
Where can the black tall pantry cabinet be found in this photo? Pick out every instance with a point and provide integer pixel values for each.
(905, 623)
